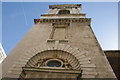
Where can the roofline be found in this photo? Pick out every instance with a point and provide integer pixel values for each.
(111, 50)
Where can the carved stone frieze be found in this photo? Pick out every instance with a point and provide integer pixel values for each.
(64, 20)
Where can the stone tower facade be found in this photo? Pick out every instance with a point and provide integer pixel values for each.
(61, 44)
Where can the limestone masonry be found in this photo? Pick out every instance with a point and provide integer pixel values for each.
(61, 44)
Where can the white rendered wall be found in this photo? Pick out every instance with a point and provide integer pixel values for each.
(2, 54)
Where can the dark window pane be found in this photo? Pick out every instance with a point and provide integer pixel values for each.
(54, 64)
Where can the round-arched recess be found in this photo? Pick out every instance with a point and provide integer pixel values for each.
(54, 58)
(64, 12)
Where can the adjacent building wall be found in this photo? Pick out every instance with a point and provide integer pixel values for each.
(2, 57)
(2, 53)
(114, 59)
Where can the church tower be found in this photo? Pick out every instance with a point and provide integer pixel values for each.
(61, 44)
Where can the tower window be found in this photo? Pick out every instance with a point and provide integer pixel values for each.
(64, 12)
(54, 63)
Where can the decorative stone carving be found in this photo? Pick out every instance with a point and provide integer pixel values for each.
(44, 62)
(64, 20)
(39, 63)
(67, 65)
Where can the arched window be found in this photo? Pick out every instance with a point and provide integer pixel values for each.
(54, 63)
(64, 12)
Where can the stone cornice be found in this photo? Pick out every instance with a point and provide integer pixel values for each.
(65, 20)
(65, 6)
(58, 70)
(63, 16)
(82, 14)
